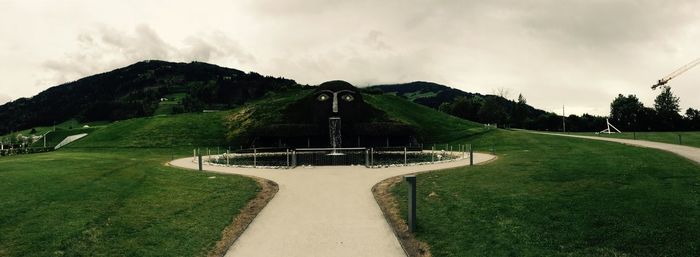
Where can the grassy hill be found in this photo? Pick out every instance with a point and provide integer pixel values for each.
(435, 127)
(139, 90)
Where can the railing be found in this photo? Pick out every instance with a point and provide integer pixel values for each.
(369, 157)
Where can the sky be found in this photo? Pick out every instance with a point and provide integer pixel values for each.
(575, 53)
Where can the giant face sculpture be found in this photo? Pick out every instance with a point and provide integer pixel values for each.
(326, 95)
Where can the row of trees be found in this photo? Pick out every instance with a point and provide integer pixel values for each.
(628, 113)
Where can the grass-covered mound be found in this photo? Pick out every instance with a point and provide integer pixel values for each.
(433, 126)
(558, 196)
(113, 203)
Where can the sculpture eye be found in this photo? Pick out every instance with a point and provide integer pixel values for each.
(323, 97)
(348, 98)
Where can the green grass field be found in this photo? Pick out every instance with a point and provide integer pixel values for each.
(109, 194)
(689, 138)
(113, 203)
(558, 196)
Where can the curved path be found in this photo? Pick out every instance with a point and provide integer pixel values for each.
(692, 153)
(322, 211)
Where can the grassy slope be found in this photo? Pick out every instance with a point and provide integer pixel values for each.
(691, 138)
(182, 130)
(556, 196)
(436, 127)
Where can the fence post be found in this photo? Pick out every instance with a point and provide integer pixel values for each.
(411, 179)
(471, 155)
(199, 156)
(432, 154)
(405, 156)
(367, 158)
(227, 162)
(255, 157)
(680, 139)
(294, 158)
(371, 157)
(634, 135)
(287, 153)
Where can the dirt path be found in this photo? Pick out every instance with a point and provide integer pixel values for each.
(322, 211)
(692, 153)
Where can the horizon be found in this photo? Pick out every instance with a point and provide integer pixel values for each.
(555, 57)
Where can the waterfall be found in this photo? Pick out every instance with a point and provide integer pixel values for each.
(334, 131)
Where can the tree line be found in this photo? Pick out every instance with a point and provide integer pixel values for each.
(626, 112)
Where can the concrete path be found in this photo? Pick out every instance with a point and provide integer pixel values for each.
(692, 153)
(322, 211)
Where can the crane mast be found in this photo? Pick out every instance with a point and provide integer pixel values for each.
(675, 73)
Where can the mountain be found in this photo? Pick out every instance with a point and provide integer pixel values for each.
(459, 103)
(490, 109)
(142, 89)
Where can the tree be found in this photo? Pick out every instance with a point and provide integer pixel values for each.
(493, 112)
(692, 117)
(625, 112)
(666, 105)
(520, 112)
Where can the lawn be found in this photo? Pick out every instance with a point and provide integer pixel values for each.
(558, 196)
(116, 202)
(690, 138)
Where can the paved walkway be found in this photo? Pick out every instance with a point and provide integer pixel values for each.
(692, 153)
(322, 211)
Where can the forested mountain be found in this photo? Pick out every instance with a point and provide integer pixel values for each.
(491, 109)
(142, 89)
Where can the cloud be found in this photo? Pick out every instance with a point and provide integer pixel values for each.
(106, 48)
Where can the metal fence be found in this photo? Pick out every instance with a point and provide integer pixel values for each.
(369, 157)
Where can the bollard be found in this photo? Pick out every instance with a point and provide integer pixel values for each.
(287, 153)
(432, 154)
(405, 158)
(367, 158)
(411, 179)
(227, 162)
(471, 155)
(199, 156)
(371, 157)
(255, 157)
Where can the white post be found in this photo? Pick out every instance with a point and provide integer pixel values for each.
(405, 157)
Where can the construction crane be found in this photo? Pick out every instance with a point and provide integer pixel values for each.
(677, 72)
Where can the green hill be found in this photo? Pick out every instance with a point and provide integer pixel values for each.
(139, 90)
(230, 127)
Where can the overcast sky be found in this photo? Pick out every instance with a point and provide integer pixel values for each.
(578, 53)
